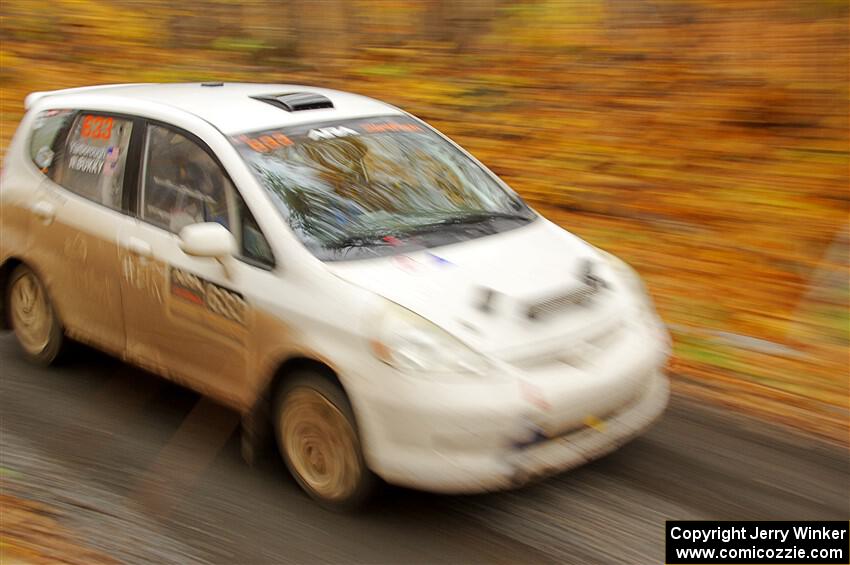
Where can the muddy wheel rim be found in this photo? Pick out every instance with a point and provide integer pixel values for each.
(320, 443)
(32, 317)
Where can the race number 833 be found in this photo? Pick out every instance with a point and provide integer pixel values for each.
(96, 126)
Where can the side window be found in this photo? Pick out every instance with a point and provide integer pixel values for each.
(182, 184)
(92, 159)
(46, 127)
(254, 245)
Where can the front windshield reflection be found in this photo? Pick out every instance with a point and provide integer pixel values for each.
(376, 186)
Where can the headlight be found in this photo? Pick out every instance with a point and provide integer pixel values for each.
(632, 281)
(630, 278)
(412, 344)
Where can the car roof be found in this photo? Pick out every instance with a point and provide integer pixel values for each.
(230, 106)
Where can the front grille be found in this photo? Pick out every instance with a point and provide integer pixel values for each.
(583, 427)
(606, 338)
(576, 354)
(576, 297)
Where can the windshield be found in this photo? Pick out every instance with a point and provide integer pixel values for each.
(377, 186)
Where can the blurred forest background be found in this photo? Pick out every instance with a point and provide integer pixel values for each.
(704, 141)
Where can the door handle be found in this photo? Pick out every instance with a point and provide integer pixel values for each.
(45, 211)
(139, 247)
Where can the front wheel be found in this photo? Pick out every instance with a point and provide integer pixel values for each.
(34, 321)
(318, 439)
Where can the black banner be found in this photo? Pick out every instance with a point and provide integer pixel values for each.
(696, 542)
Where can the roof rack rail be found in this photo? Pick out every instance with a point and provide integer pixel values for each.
(296, 101)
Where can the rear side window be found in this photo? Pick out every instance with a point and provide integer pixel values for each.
(91, 162)
(46, 127)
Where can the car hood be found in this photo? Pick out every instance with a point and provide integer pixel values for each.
(506, 295)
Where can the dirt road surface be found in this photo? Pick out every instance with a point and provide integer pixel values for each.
(143, 471)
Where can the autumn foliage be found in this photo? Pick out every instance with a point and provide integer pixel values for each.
(704, 141)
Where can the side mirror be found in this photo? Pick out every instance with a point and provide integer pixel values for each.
(208, 239)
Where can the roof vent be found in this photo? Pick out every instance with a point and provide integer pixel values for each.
(212, 84)
(296, 101)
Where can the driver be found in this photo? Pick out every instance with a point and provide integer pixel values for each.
(202, 196)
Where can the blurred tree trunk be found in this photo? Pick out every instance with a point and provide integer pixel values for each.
(196, 25)
(276, 24)
(294, 13)
(353, 25)
(319, 31)
(459, 23)
(436, 25)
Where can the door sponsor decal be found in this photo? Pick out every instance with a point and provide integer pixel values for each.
(203, 293)
(146, 276)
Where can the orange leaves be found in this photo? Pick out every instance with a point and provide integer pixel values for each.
(706, 142)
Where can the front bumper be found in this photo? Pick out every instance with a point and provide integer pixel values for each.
(493, 435)
(457, 472)
(591, 442)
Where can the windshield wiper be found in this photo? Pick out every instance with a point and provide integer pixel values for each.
(468, 218)
(364, 239)
(383, 237)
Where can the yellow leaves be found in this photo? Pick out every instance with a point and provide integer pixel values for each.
(8, 63)
(104, 23)
(706, 141)
(552, 24)
(32, 532)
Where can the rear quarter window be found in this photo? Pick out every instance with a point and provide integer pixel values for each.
(47, 125)
(91, 161)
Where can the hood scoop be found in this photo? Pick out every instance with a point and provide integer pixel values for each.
(296, 101)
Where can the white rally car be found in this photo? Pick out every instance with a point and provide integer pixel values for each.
(334, 269)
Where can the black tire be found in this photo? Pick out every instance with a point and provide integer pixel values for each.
(309, 407)
(34, 321)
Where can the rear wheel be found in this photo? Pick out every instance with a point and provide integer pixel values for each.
(32, 316)
(318, 438)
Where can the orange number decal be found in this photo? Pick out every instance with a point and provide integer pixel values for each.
(97, 126)
(98, 122)
(257, 145)
(282, 139)
(86, 130)
(268, 141)
(106, 131)
(265, 143)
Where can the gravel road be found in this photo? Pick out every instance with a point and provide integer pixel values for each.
(144, 471)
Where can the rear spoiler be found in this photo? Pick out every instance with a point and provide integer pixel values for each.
(34, 97)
